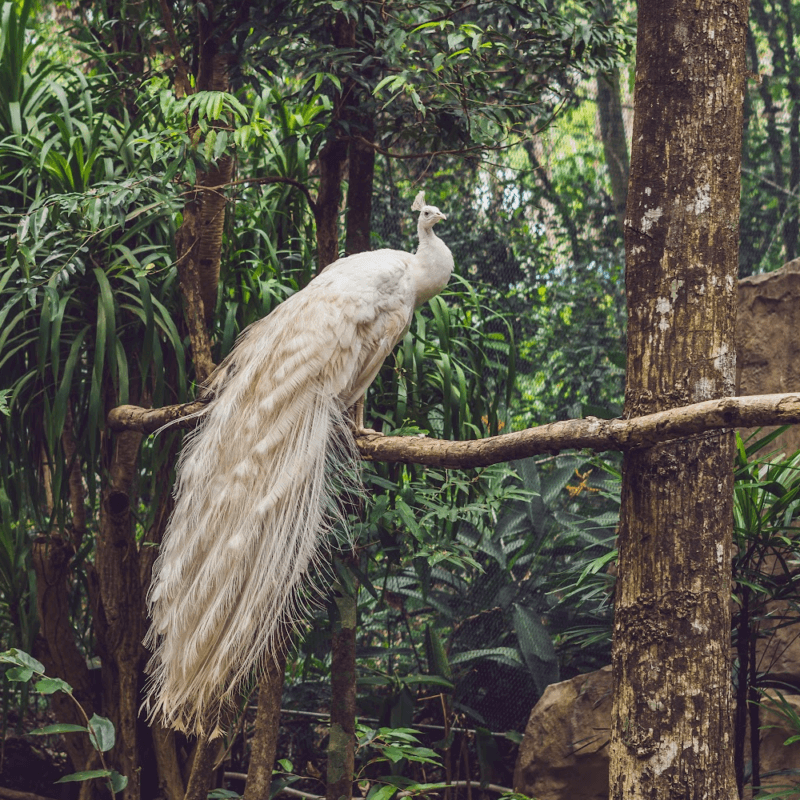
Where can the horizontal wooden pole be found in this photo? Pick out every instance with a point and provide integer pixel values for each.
(573, 434)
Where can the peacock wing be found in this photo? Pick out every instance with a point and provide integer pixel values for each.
(371, 303)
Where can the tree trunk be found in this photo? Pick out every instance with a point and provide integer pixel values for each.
(359, 196)
(341, 746)
(671, 720)
(56, 647)
(615, 145)
(120, 608)
(542, 176)
(265, 739)
(199, 239)
(212, 76)
(333, 156)
(206, 753)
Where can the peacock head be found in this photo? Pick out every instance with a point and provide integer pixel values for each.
(428, 215)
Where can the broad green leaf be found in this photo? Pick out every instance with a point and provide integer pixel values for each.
(52, 685)
(536, 646)
(378, 792)
(59, 727)
(119, 782)
(86, 775)
(22, 659)
(393, 753)
(19, 674)
(101, 732)
(436, 655)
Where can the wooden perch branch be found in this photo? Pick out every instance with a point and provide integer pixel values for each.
(592, 433)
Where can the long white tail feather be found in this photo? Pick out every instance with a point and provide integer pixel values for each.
(258, 479)
(219, 604)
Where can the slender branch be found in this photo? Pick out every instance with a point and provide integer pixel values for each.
(261, 181)
(461, 151)
(150, 420)
(592, 433)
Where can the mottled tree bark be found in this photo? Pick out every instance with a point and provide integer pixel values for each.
(671, 720)
(199, 239)
(612, 131)
(203, 771)
(212, 76)
(187, 241)
(341, 743)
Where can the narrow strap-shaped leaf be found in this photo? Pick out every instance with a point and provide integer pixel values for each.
(6, 330)
(106, 298)
(65, 387)
(122, 372)
(441, 316)
(96, 388)
(146, 300)
(59, 727)
(57, 322)
(463, 395)
(44, 332)
(168, 325)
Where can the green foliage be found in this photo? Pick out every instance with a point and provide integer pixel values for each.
(424, 77)
(476, 594)
(785, 710)
(767, 501)
(777, 704)
(766, 507)
(95, 168)
(770, 214)
(17, 580)
(99, 729)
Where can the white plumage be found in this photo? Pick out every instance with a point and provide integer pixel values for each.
(256, 479)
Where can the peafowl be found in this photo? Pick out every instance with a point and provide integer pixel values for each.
(257, 479)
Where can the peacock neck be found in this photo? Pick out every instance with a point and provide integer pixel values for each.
(433, 267)
(426, 235)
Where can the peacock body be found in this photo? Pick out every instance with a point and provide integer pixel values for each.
(254, 494)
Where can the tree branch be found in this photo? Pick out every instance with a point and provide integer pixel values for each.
(459, 151)
(592, 433)
(261, 182)
(13, 794)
